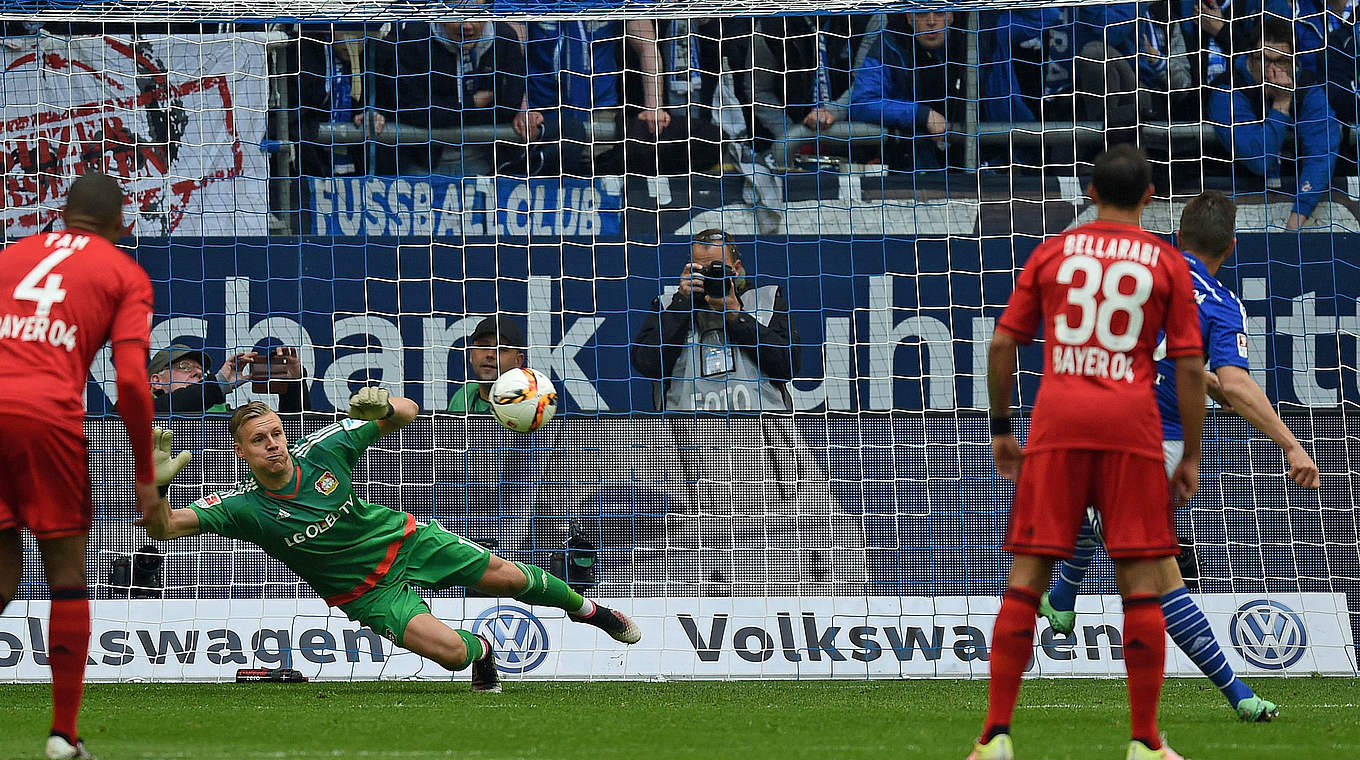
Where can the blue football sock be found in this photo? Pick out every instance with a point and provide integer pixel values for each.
(1063, 595)
(1190, 630)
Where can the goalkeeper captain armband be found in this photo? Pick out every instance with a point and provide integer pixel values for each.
(280, 675)
(1001, 426)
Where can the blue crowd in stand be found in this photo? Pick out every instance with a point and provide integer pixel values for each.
(1276, 81)
(1271, 82)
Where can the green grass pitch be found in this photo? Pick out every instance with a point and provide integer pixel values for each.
(1057, 720)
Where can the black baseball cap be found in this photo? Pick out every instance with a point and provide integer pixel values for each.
(163, 358)
(505, 330)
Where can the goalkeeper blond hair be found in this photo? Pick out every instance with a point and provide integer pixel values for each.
(245, 413)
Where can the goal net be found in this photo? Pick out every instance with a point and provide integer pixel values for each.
(805, 493)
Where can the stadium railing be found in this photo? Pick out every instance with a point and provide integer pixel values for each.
(337, 133)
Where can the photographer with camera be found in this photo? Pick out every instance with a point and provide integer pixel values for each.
(756, 516)
(722, 344)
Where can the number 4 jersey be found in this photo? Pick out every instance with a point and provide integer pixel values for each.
(1102, 292)
(63, 295)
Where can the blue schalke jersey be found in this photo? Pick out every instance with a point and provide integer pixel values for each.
(1223, 322)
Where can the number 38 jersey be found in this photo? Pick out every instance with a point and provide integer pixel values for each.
(1102, 293)
(63, 295)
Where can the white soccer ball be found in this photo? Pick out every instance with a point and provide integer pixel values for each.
(523, 399)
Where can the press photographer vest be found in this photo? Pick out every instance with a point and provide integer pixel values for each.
(712, 376)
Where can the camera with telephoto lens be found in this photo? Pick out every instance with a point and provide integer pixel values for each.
(138, 576)
(719, 279)
(577, 562)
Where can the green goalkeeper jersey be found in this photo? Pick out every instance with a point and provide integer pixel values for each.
(338, 543)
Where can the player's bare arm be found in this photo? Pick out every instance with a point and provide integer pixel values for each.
(1190, 399)
(1248, 399)
(1214, 388)
(1006, 451)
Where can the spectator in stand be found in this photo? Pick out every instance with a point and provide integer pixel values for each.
(1132, 63)
(720, 45)
(330, 89)
(495, 347)
(801, 68)
(913, 84)
(1104, 78)
(1315, 21)
(178, 385)
(576, 78)
(1217, 30)
(1342, 80)
(447, 75)
(1166, 70)
(1025, 64)
(1260, 101)
(1036, 45)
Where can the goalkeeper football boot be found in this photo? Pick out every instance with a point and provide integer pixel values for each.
(999, 748)
(485, 676)
(1060, 621)
(612, 622)
(1141, 751)
(60, 748)
(1253, 709)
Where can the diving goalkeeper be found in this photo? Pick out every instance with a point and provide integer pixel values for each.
(299, 506)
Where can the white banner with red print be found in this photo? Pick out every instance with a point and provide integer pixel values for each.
(178, 120)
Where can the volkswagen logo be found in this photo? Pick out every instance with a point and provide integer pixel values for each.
(520, 641)
(1268, 634)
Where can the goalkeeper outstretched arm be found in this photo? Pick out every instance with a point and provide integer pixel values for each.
(163, 523)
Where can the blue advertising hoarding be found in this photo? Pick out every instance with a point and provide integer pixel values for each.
(887, 324)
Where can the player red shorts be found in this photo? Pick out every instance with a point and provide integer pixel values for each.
(1130, 491)
(45, 485)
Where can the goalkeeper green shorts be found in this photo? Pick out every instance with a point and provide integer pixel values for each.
(431, 558)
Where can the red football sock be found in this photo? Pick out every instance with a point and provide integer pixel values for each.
(1145, 658)
(1012, 647)
(68, 642)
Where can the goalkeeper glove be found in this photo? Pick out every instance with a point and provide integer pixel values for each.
(370, 404)
(167, 466)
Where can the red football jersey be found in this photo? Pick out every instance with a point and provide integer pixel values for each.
(1103, 293)
(63, 295)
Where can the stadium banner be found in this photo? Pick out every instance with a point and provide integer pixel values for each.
(180, 124)
(684, 638)
(825, 204)
(892, 324)
(472, 206)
